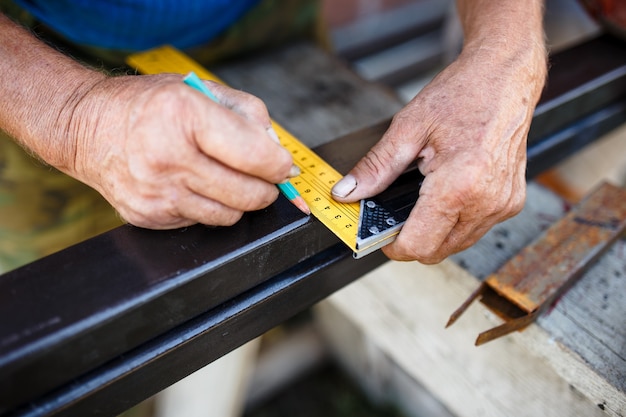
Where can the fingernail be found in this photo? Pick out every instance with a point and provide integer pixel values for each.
(344, 187)
(273, 135)
(294, 171)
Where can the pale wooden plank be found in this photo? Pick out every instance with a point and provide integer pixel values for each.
(217, 390)
(286, 354)
(590, 320)
(401, 309)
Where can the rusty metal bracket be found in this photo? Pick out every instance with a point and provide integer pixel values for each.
(535, 278)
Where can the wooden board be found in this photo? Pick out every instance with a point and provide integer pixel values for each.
(590, 320)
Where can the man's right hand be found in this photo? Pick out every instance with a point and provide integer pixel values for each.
(160, 152)
(166, 156)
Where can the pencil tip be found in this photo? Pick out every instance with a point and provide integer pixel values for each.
(301, 204)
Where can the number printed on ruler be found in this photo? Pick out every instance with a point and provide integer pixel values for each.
(317, 178)
(315, 183)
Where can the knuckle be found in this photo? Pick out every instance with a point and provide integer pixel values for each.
(168, 97)
(404, 122)
(253, 108)
(372, 163)
(431, 260)
(227, 217)
(213, 213)
(256, 104)
(263, 197)
(257, 195)
(407, 250)
(517, 201)
(490, 206)
(140, 219)
(148, 211)
(150, 164)
(277, 170)
(428, 255)
(479, 197)
(407, 254)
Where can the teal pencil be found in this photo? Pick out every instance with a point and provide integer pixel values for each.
(286, 188)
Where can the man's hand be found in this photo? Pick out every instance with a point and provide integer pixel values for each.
(160, 152)
(166, 156)
(467, 129)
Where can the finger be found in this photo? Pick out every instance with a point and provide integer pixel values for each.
(426, 229)
(172, 222)
(461, 238)
(468, 229)
(467, 233)
(233, 189)
(184, 208)
(382, 164)
(155, 214)
(251, 108)
(247, 105)
(197, 209)
(236, 142)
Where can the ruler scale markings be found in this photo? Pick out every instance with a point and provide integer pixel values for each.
(317, 202)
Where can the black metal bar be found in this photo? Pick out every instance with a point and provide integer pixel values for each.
(585, 97)
(157, 364)
(104, 324)
(71, 312)
(551, 149)
(75, 310)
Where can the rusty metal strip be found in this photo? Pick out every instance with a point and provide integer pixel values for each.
(539, 274)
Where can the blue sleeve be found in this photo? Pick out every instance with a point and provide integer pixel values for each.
(138, 24)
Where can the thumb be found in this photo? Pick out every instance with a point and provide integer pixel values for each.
(376, 170)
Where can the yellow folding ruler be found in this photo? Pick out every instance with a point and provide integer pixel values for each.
(317, 176)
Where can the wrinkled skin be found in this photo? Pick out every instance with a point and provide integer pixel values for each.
(467, 131)
(166, 156)
(160, 152)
